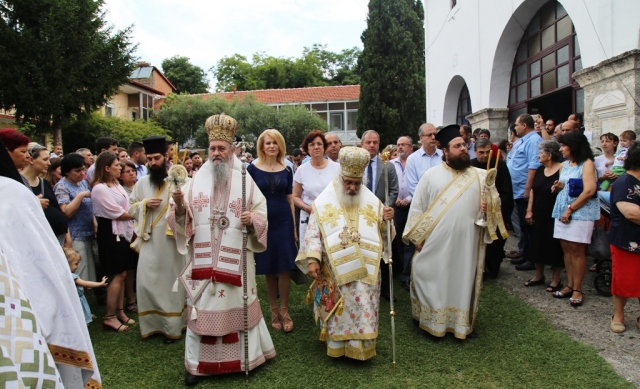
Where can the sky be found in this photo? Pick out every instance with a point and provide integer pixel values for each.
(208, 30)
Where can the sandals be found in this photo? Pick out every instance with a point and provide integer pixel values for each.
(556, 288)
(531, 282)
(132, 307)
(576, 302)
(276, 324)
(616, 327)
(107, 327)
(286, 319)
(559, 295)
(130, 322)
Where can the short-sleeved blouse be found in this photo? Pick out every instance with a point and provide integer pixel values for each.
(602, 164)
(81, 223)
(314, 180)
(57, 220)
(589, 211)
(623, 233)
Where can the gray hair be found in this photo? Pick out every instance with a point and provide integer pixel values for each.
(82, 150)
(425, 125)
(370, 132)
(408, 137)
(551, 148)
(482, 142)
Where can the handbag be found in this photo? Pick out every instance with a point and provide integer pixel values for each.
(576, 187)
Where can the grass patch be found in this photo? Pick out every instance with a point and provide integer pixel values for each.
(516, 348)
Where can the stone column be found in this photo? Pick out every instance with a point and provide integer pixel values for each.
(495, 120)
(611, 90)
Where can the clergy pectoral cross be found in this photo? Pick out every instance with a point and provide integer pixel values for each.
(219, 219)
(344, 236)
(193, 282)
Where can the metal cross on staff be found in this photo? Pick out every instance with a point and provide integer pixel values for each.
(242, 145)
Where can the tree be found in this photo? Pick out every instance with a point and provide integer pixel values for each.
(59, 59)
(185, 76)
(316, 67)
(184, 114)
(392, 69)
(86, 128)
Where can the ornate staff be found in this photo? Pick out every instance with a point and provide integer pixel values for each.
(242, 145)
(385, 158)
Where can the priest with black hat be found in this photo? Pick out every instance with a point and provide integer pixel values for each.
(450, 248)
(160, 310)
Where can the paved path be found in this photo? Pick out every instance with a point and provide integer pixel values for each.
(587, 324)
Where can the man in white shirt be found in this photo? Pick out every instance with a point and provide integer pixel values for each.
(425, 158)
(402, 252)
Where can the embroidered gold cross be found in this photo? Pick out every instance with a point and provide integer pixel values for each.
(344, 236)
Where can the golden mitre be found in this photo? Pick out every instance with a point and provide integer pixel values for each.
(353, 161)
(221, 127)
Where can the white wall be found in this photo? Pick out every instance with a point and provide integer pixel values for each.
(477, 41)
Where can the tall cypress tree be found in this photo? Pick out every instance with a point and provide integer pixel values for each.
(392, 70)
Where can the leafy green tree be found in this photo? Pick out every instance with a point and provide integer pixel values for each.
(85, 129)
(59, 59)
(185, 76)
(184, 114)
(392, 69)
(316, 67)
(337, 68)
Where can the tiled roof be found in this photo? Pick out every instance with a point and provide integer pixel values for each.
(295, 95)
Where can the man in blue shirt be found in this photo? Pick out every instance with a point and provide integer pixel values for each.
(424, 159)
(522, 163)
(139, 158)
(402, 252)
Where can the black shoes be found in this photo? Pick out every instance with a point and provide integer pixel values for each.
(387, 297)
(526, 266)
(191, 380)
(518, 261)
(405, 285)
(168, 340)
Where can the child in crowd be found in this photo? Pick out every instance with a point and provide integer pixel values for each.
(73, 257)
(626, 140)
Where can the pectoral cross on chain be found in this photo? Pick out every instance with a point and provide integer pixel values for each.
(219, 219)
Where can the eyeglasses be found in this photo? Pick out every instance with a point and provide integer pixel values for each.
(316, 144)
(403, 144)
(429, 135)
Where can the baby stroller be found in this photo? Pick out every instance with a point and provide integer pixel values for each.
(599, 248)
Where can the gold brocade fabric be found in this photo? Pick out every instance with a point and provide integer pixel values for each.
(494, 213)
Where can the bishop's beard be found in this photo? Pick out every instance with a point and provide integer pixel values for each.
(461, 162)
(157, 174)
(345, 199)
(220, 171)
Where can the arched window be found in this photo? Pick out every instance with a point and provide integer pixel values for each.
(464, 106)
(548, 55)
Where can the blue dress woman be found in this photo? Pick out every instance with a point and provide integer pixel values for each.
(275, 181)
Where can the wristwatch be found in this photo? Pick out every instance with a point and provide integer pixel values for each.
(570, 209)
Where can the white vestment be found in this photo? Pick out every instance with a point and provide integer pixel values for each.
(348, 243)
(43, 272)
(446, 275)
(160, 311)
(210, 235)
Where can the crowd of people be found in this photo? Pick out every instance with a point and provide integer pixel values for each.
(186, 256)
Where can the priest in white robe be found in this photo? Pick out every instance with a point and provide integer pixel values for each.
(43, 299)
(446, 272)
(207, 219)
(160, 310)
(345, 239)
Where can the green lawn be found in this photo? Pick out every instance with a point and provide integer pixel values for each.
(516, 348)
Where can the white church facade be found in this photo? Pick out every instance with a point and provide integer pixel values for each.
(488, 61)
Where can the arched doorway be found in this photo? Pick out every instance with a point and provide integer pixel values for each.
(546, 58)
(464, 106)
